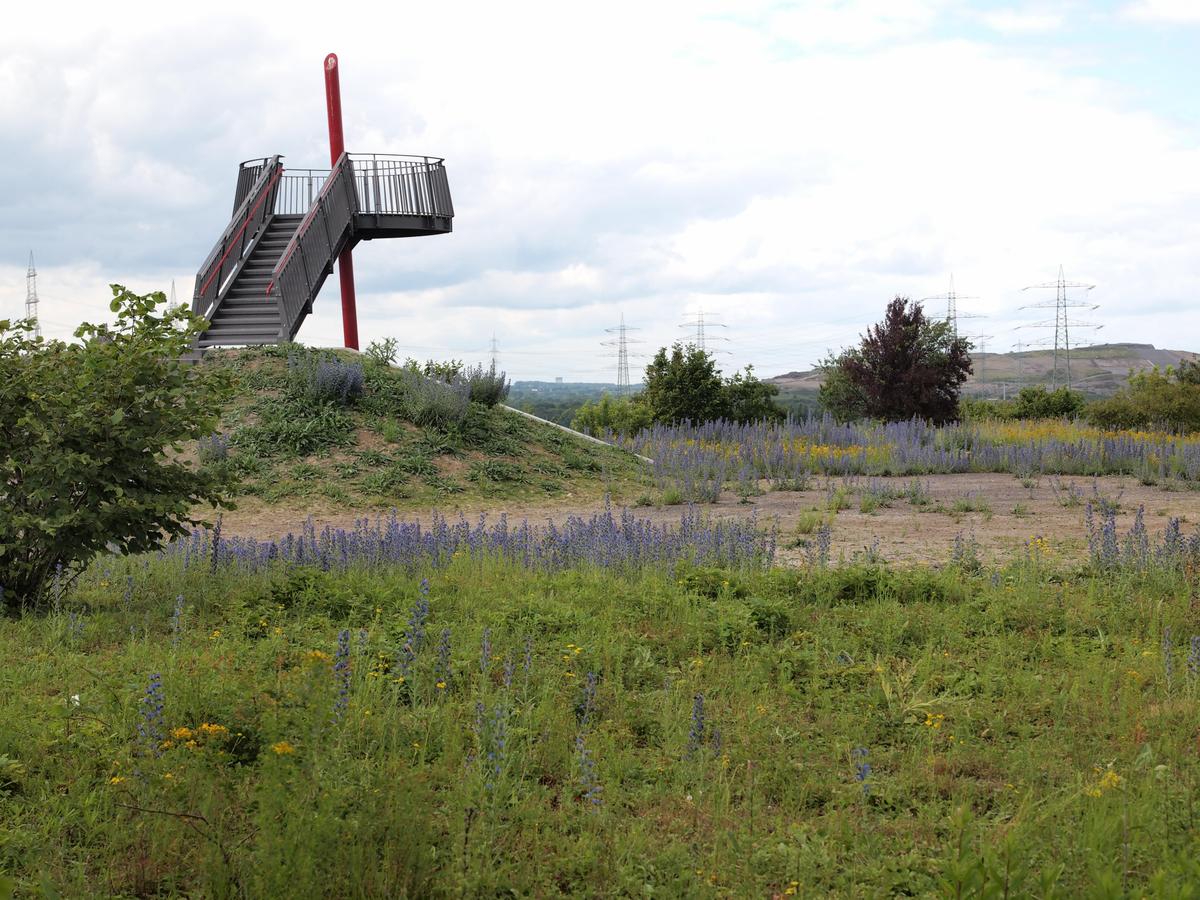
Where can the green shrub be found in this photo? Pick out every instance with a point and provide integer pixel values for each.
(295, 431)
(487, 387)
(87, 429)
(609, 415)
(1163, 399)
(1036, 402)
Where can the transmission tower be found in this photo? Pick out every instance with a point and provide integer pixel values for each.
(981, 341)
(31, 297)
(621, 342)
(952, 314)
(701, 324)
(495, 350)
(1062, 323)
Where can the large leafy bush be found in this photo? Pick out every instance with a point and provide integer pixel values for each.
(90, 437)
(906, 366)
(1153, 399)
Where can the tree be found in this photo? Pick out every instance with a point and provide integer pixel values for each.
(92, 434)
(687, 386)
(684, 386)
(750, 400)
(906, 366)
(623, 415)
(1153, 399)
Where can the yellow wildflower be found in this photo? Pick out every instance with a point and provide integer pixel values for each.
(316, 656)
(166, 745)
(441, 685)
(182, 733)
(213, 730)
(116, 779)
(282, 748)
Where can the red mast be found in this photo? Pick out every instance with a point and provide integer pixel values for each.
(337, 146)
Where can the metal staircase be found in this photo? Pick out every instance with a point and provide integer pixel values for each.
(258, 284)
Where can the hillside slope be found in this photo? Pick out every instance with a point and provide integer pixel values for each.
(284, 450)
(1100, 370)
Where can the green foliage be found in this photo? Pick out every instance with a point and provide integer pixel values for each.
(608, 415)
(89, 431)
(907, 366)
(295, 429)
(487, 386)
(1154, 398)
(1023, 733)
(382, 353)
(748, 399)
(686, 386)
(1036, 402)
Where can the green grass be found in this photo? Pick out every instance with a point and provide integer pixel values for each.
(1020, 728)
(287, 450)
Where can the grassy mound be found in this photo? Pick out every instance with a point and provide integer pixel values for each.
(305, 428)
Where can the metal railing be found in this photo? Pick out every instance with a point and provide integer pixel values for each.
(298, 188)
(401, 185)
(308, 257)
(255, 209)
(370, 184)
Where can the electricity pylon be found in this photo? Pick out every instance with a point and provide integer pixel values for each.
(1062, 323)
(621, 342)
(701, 324)
(952, 314)
(31, 297)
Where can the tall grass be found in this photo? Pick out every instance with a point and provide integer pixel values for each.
(476, 723)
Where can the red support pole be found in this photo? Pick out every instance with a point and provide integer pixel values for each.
(337, 146)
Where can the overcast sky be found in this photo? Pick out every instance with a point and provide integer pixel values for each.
(784, 167)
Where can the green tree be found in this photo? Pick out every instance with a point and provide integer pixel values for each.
(748, 399)
(92, 436)
(905, 366)
(622, 415)
(1153, 399)
(684, 386)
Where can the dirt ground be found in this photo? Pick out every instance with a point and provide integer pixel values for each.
(1013, 512)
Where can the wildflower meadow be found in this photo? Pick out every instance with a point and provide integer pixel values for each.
(605, 707)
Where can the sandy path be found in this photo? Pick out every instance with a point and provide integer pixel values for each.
(904, 532)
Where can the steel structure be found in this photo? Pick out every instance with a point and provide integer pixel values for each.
(1062, 323)
(952, 314)
(701, 324)
(621, 342)
(31, 297)
(289, 226)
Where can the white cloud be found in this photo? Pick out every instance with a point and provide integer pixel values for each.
(787, 169)
(1023, 21)
(1180, 11)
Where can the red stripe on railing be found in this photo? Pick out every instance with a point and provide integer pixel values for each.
(245, 222)
(305, 222)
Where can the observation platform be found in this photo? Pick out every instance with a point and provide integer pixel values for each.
(258, 284)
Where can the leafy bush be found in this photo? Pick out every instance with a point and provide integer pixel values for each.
(86, 429)
(608, 415)
(906, 366)
(1154, 398)
(487, 387)
(1036, 402)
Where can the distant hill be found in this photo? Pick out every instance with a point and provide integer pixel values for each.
(1098, 371)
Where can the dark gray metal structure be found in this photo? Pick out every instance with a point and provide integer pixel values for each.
(260, 280)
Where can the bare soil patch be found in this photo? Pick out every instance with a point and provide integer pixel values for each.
(1014, 512)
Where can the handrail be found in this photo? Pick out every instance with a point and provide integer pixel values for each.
(234, 233)
(304, 223)
(245, 223)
